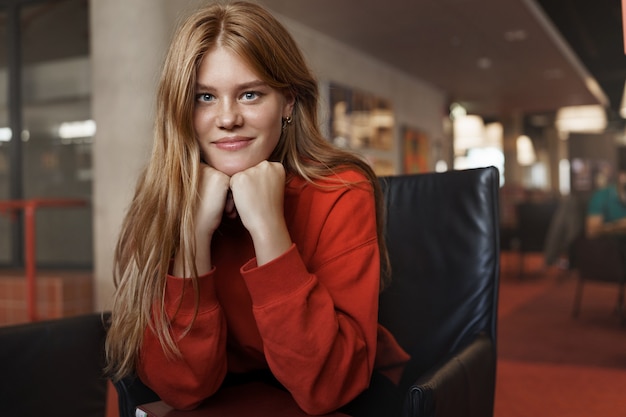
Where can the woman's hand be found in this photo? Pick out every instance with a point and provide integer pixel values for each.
(258, 194)
(214, 201)
(213, 191)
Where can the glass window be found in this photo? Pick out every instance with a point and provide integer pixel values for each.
(56, 134)
(56, 103)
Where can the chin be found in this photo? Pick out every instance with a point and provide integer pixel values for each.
(231, 170)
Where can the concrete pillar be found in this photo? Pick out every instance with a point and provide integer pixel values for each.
(512, 126)
(128, 42)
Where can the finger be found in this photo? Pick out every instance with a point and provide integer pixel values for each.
(229, 207)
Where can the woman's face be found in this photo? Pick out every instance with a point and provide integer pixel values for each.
(237, 117)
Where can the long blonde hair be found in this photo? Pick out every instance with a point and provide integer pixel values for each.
(159, 221)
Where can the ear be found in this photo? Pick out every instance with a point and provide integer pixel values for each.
(290, 101)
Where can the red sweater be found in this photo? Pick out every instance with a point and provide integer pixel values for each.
(309, 315)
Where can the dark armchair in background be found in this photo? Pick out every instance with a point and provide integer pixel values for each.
(53, 368)
(600, 259)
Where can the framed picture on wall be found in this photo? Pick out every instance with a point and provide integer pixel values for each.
(415, 152)
(363, 122)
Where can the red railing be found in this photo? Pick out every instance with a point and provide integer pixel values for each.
(29, 207)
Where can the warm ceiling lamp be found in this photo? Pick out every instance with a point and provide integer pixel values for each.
(469, 132)
(493, 135)
(581, 119)
(525, 151)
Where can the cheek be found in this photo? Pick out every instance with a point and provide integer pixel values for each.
(274, 133)
(269, 123)
(200, 132)
(199, 122)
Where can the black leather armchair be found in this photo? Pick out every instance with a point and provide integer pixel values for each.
(53, 368)
(442, 232)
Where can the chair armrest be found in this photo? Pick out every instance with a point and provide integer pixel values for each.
(463, 386)
(132, 392)
(53, 367)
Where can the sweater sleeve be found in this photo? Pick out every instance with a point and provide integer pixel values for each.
(596, 205)
(319, 324)
(201, 369)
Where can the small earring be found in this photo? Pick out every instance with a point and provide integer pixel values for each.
(286, 121)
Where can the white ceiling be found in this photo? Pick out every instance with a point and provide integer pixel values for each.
(494, 56)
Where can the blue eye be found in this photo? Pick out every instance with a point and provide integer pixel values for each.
(250, 95)
(204, 97)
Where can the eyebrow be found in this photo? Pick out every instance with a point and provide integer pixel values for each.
(244, 86)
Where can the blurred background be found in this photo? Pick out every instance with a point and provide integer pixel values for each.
(533, 87)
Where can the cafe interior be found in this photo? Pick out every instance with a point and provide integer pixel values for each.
(534, 88)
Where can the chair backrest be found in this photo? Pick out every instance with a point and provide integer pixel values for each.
(533, 223)
(53, 368)
(442, 235)
(599, 259)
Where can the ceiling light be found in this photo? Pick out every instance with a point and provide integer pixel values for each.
(525, 151)
(581, 119)
(457, 110)
(5, 134)
(515, 35)
(469, 132)
(493, 135)
(81, 129)
(484, 63)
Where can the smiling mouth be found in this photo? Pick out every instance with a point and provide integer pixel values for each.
(232, 144)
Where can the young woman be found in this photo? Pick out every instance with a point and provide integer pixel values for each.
(251, 243)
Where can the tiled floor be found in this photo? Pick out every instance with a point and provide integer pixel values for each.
(59, 294)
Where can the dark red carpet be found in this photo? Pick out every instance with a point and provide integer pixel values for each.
(551, 364)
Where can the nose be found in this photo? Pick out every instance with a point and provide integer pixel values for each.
(229, 116)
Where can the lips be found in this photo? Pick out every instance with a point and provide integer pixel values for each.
(232, 143)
